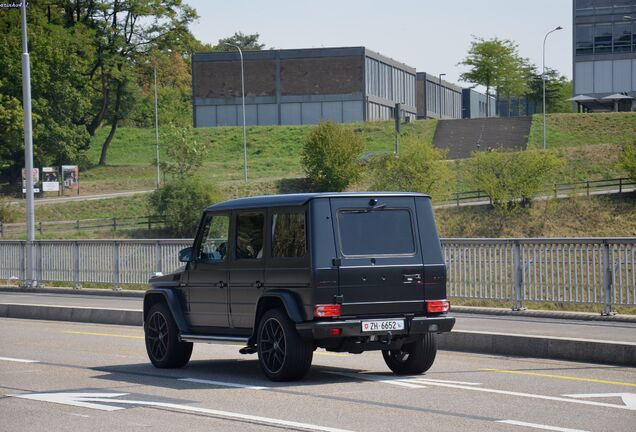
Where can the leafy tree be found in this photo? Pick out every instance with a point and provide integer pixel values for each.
(329, 156)
(557, 90)
(628, 159)
(185, 151)
(511, 179)
(180, 204)
(247, 42)
(420, 168)
(495, 63)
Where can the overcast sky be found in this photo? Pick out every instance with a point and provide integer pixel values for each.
(432, 36)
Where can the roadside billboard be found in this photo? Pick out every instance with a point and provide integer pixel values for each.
(50, 179)
(70, 176)
(35, 175)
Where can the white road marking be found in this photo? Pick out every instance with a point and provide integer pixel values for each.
(17, 360)
(488, 390)
(222, 383)
(538, 426)
(100, 401)
(629, 399)
(382, 378)
(430, 381)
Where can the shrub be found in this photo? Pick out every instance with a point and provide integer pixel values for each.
(7, 212)
(330, 155)
(185, 152)
(511, 179)
(628, 159)
(180, 203)
(419, 168)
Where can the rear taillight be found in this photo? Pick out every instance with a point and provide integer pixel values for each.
(326, 310)
(437, 306)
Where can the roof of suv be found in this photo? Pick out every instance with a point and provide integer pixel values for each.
(299, 199)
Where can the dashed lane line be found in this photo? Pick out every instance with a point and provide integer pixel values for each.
(17, 360)
(561, 377)
(538, 426)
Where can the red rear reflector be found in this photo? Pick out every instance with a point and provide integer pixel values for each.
(437, 306)
(326, 310)
(335, 332)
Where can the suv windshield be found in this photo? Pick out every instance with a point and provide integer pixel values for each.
(376, 232)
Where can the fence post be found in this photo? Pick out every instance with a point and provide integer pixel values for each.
(457, 197)
(1, 230)
(620, 185)
(114, 224)
(76, 266)
(23, 283)
(38, 249)
(587, 182)
(517, 276)
(159, 260)
(116, 267)
(607, 281)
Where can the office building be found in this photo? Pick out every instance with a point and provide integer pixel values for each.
(437, 98)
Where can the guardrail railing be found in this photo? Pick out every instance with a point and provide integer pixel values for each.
(597, 271)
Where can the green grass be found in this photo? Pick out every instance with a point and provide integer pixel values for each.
(573, 130)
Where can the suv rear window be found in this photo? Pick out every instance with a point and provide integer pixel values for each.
(376, 232)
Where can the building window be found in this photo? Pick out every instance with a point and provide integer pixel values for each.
(622, 37)
(584, 39)
(603, 38)
(584, 7)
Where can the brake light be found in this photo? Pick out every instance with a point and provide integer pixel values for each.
(437, 306)
(326, 310)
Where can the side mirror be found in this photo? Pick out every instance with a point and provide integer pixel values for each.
(185, 255)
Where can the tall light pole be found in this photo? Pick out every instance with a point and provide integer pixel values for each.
(243, 94)
(543, 76)
(441, 106)
(156, 124)
(28, 150)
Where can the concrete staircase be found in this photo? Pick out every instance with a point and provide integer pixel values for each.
(462, 137)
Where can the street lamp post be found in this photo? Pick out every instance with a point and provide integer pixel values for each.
(243, 95)
(28, 151)
(156, 124)
(441, 105)
(543, 76)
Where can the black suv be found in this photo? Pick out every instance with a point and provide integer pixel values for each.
(286, 274)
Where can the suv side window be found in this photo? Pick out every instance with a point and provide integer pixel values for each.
(213, 246)
(250, 228)
(289, 238)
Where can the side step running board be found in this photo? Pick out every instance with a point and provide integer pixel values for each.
(188, 337)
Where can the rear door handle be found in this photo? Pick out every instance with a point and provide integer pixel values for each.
(259, 284)
(412, 278)
(222, 284)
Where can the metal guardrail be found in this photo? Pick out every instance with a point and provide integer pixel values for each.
(598, 271)
(113, 224)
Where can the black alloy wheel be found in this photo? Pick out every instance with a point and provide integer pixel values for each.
(163, 346)
(413, 358)
(282, 353)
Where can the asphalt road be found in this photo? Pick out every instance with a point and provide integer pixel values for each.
(71, 376)
(521, 325)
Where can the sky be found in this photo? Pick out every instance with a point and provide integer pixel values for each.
(431, 36)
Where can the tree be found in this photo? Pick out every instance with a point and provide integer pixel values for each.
(180, 204)
(512, 179)
(187, 154)
(628, 159)
(329, 156)
(247, 42)
(557, 90)
(420, 168)
(494, 63)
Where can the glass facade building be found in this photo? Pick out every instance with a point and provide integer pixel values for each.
(437, 98)
(605, 48)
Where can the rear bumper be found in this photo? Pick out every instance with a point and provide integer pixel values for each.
(353, 327)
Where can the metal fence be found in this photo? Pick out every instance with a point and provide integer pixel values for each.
(112, 224)
(562, 270)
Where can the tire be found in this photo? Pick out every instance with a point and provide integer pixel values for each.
(162, 339)
(282, 353)
(413, 358)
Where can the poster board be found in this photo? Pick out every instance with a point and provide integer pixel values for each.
(50, 179)
(35, 175)
(70, 177)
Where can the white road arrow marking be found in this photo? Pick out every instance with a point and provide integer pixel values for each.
(103, 401)
(17, 360)
(222, 383)
(391, 380)
(538, 426)
(629, 399)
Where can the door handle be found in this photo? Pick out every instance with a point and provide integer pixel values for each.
(259, 284)
(222, 284)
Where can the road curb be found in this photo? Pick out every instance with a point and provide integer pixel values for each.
(581, 350)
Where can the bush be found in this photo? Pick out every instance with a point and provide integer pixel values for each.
(186, 153)
(511, 179)
(180, 203)
(329, 157)
(419, 168)
(7, 212)
(628, 159)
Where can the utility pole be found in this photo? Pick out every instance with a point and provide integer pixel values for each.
(28, 152)
(544, 116)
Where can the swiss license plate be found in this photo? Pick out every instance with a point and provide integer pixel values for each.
(382, 325)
